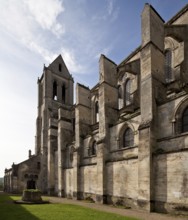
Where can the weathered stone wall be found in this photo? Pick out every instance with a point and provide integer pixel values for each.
(171, 185)
(88, 176)
(116, 132)
(56, 173)
(68, 182)
(183, 19)
(122, 182)
(166, 117)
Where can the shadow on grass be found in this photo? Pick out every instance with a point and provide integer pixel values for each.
(56, 211)
(11, 211)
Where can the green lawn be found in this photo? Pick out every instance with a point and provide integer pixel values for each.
(11, 211)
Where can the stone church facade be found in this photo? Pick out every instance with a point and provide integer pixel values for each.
(125, 141)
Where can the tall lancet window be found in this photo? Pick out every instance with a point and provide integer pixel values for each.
(54, 90)
(168, 65)
(63, 93)
(120, 97)
(60, 68)
(127, 94)
(96, 111)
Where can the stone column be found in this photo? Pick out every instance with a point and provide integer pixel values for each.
(101, 174)
(152, 68)
(51, 170)
(82, 128)
(108, 104)
(76, 175)
(60, 162)
(65, 135)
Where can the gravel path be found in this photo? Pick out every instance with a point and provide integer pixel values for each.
(126, 212)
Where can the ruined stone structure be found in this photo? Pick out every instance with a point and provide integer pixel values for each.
(125, 141)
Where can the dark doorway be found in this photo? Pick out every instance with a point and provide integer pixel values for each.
(31, 184)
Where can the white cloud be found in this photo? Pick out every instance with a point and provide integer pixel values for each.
(38, 26)
(71, 62)
(104, 51)
(31, 22)
(110, 6)
(111, 12)
(45, 13)
(46, 54)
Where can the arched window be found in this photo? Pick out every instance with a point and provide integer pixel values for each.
(127, 97)
(128, 138)
(93, 148)
(54, 90)
(120, 97)
(168, 65)
(96, 111)
(185, 121)
(60, 68)
(119, 92)
(63, 93)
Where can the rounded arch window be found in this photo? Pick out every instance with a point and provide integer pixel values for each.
(180, 117)
(128, 138)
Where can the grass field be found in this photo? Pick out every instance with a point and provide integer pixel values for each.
(11, 211)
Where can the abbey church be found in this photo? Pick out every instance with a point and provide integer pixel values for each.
(124, 141)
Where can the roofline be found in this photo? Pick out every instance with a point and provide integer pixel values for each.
(130, 55)
(33, 156)
(156, 12)
(176, 16)
(94, 87)
(83, 86)
(109, 59)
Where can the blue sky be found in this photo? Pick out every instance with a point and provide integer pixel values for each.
(34, 32)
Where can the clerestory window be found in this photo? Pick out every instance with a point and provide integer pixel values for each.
(96, 111)
(127, 94)
(120, 97)
(168, 66)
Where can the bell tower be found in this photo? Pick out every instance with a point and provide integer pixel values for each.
(55, 90)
